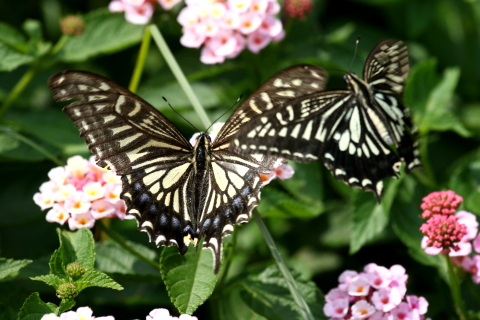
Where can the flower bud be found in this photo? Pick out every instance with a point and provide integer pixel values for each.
(72, 25)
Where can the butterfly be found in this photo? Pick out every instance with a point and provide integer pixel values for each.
(362, 134)
(177, 192)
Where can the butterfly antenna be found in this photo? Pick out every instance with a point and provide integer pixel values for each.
(239, 98)
(354, 54)
(180, 114)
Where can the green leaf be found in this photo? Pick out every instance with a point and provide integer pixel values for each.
(34, 308)
(10, 268)
(11, 59)
(276, 203)
(189, 278)
(306, 184)
(94, 278)
(74, 246)
(50, 279)
(465, 181)
(430, 97)
(11, 36)
(65, 305)
(7, 143)
(369, 218)
(231, 306)
(113, 258)
(105, 32)
(437, 116)
(267, 294)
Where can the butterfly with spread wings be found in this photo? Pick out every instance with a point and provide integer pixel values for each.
(352, 130)
(178, 193)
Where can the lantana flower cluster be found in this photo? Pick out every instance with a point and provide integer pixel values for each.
(377, 293)
(140, 11)
(226, 27)
(450, 232)
(85, 313)
(280, 170)
(80, 193)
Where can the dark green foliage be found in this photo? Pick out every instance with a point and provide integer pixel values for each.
(321, 226)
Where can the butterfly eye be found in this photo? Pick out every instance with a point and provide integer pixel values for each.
(208, 138)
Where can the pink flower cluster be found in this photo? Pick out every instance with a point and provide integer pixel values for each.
(85, 313)
(280, 170)
(80, 193)
(139, 11)
(446, 232)
(444, 222)
(377, 293)
(440, 202)
(226, 27)
(443, 232)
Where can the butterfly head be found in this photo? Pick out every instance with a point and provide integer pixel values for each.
(357, 85)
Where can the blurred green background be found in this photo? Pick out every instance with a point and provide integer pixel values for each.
(321, 226)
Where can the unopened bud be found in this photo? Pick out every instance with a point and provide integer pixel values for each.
(72, 25)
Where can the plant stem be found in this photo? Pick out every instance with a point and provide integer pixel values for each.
(140, 63)
(177, 72)
(455, 290)
(32, 144)
(292, 285)
(18, 89)
(126, 246)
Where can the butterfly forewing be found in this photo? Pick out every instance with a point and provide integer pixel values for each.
(290, 83)
(350, 130)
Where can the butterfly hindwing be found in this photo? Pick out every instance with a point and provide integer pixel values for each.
(351, 131)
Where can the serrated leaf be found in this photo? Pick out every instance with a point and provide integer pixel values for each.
(189, 278)
(113, 258)
(11, 59)
(268, 295)
(34, 308)
(276, 203)
(94, 278)
(65, 305)
(10, 268)
(105, 32)
(50, 279)
(369, 218)
(74, 246)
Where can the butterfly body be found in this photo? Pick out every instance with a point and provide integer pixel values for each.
(362, 134)
(177, 192)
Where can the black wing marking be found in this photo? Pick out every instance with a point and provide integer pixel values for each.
(287, 84)
(131, 137)
(349, 130)
(385, 71)
(335, 129)
(232, 190)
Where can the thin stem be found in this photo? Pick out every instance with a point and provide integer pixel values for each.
(177, 72)
(32, 144)
(142, 54)
(126, 246)
(292, 285)
(228, 260)
(18, 89)
(455, 290)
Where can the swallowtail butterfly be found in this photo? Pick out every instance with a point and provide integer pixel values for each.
(352, 130)
(178, 193)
